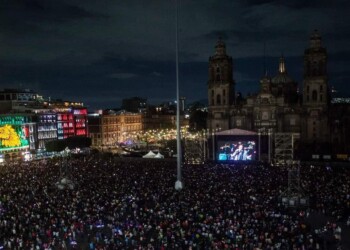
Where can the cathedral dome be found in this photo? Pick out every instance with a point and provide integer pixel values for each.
(282, 76)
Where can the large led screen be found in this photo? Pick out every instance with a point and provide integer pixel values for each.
(236, 151)
(13, 136)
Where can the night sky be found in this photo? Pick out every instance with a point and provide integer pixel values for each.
(100, 52)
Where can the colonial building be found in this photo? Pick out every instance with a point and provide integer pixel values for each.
(111, 128)
(278, 107)
(221, 88)
(316, 102)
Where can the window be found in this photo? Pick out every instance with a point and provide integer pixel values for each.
(308, 89)
(314, 96)
(321, 88)
(218, 99)
(320, 68)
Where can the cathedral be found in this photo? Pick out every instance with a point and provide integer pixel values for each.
(278, 107)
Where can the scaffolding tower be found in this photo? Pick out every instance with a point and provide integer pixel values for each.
(294, 196)
(284, 147)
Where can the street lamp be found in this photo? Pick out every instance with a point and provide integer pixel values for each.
(213, 134)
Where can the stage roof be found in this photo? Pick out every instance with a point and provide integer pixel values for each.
(236, 131)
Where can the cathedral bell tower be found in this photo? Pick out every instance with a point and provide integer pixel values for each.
(221, 91)
(315, 92)
(315, 89)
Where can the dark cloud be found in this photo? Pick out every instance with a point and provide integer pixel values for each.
(103, 51)
(42, 11)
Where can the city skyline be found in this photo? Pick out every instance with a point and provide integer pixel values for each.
(102, 53)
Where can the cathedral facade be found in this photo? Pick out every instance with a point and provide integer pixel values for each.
(278, 107)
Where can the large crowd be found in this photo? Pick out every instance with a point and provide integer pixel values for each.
(122, 203)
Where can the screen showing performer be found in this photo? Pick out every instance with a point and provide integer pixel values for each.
(236, 151)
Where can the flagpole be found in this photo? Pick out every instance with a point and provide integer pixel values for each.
(178, 183)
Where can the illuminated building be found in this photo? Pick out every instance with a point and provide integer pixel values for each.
(65, 125)
(80, 121)
(104, 129)
(71, 122)
(46, 128)
(111, 127)
(18, 100)
(49, 119)
(129, 123)
(59, 104)
(16, 135)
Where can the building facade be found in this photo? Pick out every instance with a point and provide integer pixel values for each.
(46, 128)
(111, 128)
(18, 100)
(17, 135)
(46, 120)
(278, 107)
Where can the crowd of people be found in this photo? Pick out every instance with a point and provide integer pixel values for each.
(123, 203)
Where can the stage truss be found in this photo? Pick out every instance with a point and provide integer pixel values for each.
(294, 196)
(284, 147)
(194, 151)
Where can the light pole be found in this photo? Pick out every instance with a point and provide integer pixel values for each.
(178, 183)
(212, 144)
(204, 137)
(213, 134)
(259, 138)
(269, 134)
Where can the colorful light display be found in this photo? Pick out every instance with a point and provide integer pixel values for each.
(14, 132)
(12, 137)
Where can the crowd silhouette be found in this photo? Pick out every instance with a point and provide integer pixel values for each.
(124, 203)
